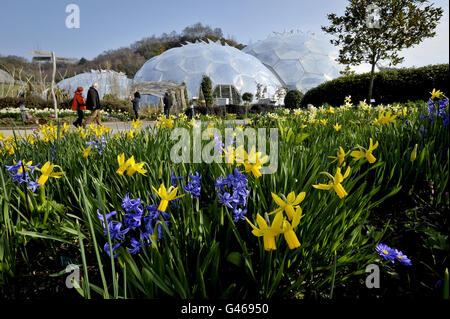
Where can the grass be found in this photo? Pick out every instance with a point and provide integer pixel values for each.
(202, 252)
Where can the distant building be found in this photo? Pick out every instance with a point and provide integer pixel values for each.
(109, 82)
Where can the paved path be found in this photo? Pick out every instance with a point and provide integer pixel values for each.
(115, 127)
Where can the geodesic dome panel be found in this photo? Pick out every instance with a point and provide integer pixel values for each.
(300, 60)
(223, 64)
(109, 82)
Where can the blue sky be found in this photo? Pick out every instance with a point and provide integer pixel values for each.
(110, 24)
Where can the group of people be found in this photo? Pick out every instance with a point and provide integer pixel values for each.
(92, 103)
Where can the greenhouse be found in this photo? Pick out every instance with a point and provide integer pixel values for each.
(225, 65)
(300, 60)
(109, 82)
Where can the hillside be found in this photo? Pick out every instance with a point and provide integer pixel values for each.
(126, 59)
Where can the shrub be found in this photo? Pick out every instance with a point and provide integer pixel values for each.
(390, 86)
(293, 99)
(207, 90)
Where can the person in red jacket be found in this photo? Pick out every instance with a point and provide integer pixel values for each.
(79, 105)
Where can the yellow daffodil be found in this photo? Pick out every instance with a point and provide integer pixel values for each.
(123, 165)
(231, 154)
(414, 154)
(364, 153)
(82, 132)
(136, 124)
(2, 136)
(324, 122)
(134, 167)
(253, 162)
(86, 151)
(288, 229)
(331, 110)
(385, 119)
(289, 203)
(268, 232)
(335, 182)
(47, 171)
(337, 127)
(340, 156)
(166, 196)
(436, 94)
(130, 133)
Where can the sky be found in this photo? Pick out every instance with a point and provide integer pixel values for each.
(111, 24)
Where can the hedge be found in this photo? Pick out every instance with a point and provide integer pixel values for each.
(390, 86)
(35, 102)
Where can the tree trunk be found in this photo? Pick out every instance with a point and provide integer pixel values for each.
(372, 78)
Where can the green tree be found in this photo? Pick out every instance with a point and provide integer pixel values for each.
(293, 99)
(374, 30)
(247, 97)
(207, 90)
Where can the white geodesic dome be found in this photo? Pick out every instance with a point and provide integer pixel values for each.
(109, 82)
(300, 60)
(225, 65)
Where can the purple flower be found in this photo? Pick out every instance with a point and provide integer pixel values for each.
(108, 216)
(132, 204)
(132, 220)
(402, 258)
(14, 167)
(239, 214)
(33, 185)
(136, 246)
(115, 232)
(218, 143)
(194, 187)
(386, 252)
(175, 179)
(226, 199)
(106, 248)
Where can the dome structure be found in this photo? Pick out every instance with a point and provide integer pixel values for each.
(225, 65)
(300, 60)
(109, 82)
(5, 77)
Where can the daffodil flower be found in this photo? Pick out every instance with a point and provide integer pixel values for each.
(268, 232)
(385, 118)
(435, 94)
(364, 153)
(47, 171)
(134, 167)
(166, 196)
(86, 151)
(254, 162)
(289, 203)
(136, 124)
(288, 229)
(337, 127)
(122, 164)
(340, 156)
(335, 182)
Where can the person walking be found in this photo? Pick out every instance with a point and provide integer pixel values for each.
(167, 104)
(135, 101)
(79, 105)
(93, 104)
